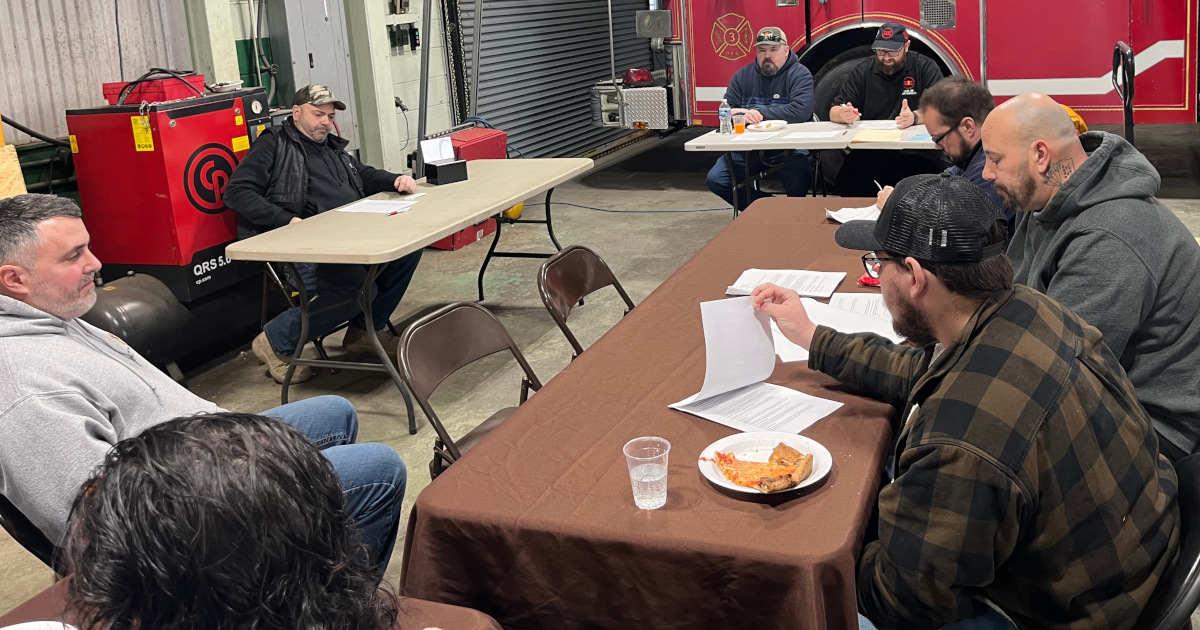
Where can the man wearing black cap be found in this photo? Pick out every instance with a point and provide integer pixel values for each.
(885, 86)
(296, 172)
(1027, 488)
(775, 87)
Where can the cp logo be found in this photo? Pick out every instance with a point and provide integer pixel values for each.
(205, 176)
(910, 83)
(887, 33)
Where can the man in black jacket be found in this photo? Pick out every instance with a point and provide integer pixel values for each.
(299, 171)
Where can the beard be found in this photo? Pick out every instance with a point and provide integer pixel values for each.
(64, 304)
(315, 133)
(1020, 194)
(768, 68)
(896, 66)
(912, 324)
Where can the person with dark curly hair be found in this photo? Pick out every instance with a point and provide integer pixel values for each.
(220, 520)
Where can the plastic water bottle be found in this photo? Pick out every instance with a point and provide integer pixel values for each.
(726, 117)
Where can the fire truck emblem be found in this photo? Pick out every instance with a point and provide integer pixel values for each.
(732, 36)
(205, 177)
(887, 33)
(909, 83)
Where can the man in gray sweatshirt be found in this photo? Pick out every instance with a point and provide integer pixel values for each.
(70, 391)
(1091, 235)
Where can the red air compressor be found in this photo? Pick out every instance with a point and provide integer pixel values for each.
(151, 177)
(475, 144)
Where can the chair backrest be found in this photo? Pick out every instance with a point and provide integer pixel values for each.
(1178, 593)
(447, 340)
(569, 276)
(28, 535)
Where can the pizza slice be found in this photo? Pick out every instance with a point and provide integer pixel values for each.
(785, 469)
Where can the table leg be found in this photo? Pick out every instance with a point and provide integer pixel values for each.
(364, 302)
(487, 259)
(492, 253)
(303, 299)
(733, 185)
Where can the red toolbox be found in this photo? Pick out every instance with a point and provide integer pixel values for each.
(475, 144)
(157, 90)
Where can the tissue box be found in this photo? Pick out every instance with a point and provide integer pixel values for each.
(446, 172)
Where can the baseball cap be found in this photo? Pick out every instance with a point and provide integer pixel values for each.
(316, 95)
(935, 218)
(770, 36)
(890, 36)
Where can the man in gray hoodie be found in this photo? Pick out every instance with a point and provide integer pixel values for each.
(1091, 235)
(70, 391)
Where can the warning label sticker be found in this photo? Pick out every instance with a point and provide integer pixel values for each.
(74, 144)
(237, 120)
(143, 137)
(241, 143)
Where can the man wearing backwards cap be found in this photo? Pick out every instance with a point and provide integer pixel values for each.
(1027, 488)
(775, 87)
(297, 172)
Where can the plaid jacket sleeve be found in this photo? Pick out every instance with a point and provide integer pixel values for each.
(947, 521)
(869, 363)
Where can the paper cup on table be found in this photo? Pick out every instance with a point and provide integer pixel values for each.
(647, 461)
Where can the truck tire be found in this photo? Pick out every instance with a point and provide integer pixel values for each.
(830, 77)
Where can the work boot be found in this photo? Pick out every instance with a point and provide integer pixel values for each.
(356, 341)
(277, 364)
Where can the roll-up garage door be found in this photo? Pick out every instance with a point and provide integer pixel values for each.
(540, 60)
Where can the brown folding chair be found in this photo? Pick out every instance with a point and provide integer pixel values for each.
(569, 276)
(440, 344)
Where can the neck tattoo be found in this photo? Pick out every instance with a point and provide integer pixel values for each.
(1058, 172)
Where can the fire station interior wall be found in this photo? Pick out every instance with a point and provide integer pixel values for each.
(540, 59)
(405, 81)
(55, 54)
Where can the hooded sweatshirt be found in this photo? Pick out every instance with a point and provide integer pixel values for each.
(1105, 248)
(788, 95)
(68, 392)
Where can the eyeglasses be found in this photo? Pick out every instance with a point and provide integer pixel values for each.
(890, 54)
(942, 136)
(871, 263)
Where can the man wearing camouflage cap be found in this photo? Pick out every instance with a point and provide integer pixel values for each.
(776, 86)
(1027, 488)
(298, 171)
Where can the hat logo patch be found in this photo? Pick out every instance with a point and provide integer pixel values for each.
(887, 33)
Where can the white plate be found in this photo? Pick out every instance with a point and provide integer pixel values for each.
(767, 125)
(756, 446)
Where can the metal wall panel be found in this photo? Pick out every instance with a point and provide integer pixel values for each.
(540, 60)
(55, 54)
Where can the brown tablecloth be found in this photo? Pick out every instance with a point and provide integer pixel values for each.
(536, 525)
(415, 614)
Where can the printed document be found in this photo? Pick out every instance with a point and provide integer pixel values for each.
(378, 206)
(806, 283)
(883, 125)
(739, 355)
(865, 303)
(840, 319)
(876, 135)
(865, 213)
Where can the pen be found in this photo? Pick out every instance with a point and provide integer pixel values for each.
(393, 213)
(877, 185)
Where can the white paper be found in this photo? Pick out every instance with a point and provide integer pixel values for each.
(806, 283)
(437, 149)
(737, 345)
(755, 136)
(865, 213)
(378, 206)
(866, 303)
(812, 135)
(845, 321)
(876, 124)
(787, 351)
(413, 197)
(762, 407)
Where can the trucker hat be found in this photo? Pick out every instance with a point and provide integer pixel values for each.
(316, 95)
(935, 218)
(890, 36)
(770, 36)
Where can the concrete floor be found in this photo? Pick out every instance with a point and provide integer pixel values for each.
(642, 249)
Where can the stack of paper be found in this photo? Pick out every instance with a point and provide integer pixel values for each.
(806, 283)
(876, 135)
(866, 303)
(839, 319)
(865, 213)
(739, 354)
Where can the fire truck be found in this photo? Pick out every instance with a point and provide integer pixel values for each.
(1063, 48)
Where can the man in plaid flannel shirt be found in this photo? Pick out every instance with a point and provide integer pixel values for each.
(1028, 490)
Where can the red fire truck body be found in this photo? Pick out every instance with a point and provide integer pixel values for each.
(1062, 48)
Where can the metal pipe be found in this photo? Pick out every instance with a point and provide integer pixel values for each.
(253, 34)
(983, 42)
(422, 106)
(808, 23)
(476, 56)
(612, 58)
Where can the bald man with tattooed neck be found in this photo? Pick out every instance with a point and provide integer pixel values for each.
(1091, 234)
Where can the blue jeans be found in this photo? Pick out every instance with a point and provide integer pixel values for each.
(372, 475)
(330, 284)
(796, 177)
(991, 620)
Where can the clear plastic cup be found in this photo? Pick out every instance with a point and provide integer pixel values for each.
(647, 461)
(739, 123)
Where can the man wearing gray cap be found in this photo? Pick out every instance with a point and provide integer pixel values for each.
(1027, 488)
(296, 172)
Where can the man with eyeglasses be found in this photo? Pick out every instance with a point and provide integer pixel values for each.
(885, 86)
(1027, 489)
(953, 111)
(775, 86)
